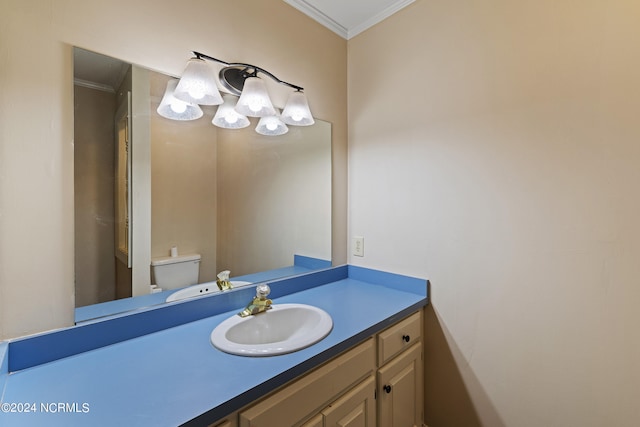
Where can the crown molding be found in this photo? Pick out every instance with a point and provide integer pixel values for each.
(319, 16)
(377, 18)
(305, 7)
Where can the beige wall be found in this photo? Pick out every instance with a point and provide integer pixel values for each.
(94, 148)
(273, 197)
(493, 148)
(183, 191)
(183, 186)
(36, 116)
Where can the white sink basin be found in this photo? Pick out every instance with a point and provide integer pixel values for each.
(283, 329)
(201, 289)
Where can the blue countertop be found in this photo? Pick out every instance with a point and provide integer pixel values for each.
(174, 375)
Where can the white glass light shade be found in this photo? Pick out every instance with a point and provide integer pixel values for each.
(296, 112)
(228, 118)
(175, 109)
(254, 100)
(198, 84)
(271, 126)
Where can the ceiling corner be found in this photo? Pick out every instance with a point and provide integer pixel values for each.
(349, 18)
(377, 17)
(316, 14)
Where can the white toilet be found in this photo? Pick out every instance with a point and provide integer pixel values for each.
(176, 272)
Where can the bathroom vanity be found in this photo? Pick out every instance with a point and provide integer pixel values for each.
(379, 382)
(157, 366)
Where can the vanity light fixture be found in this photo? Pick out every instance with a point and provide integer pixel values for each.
(296, 112)
(254, 100)
(271, 126)
(197, 86)
(176, 109)
(227, 117)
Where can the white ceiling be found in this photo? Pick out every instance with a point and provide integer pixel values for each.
(348, 18)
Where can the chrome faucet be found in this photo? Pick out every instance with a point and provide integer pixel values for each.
(260, 302)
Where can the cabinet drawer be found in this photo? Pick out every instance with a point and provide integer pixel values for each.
(402, 335)
(311, 393)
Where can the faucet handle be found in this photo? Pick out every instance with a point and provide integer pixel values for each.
(262, 290)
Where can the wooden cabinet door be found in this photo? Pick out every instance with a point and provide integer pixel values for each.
(354, 409)
(308, 395)
(400, 390)
(317, 421)
(229, 422)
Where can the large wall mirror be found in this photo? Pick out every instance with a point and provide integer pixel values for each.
(259, 206)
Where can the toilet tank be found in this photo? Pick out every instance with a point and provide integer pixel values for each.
(176, 272)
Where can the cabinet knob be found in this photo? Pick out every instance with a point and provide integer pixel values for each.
(387, 388)
(406, 338)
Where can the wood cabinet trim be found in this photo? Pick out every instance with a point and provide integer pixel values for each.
(314, 391)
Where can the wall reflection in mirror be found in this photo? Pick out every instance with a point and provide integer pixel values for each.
(147, 188)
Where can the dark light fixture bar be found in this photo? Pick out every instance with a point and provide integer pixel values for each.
(245, 67)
